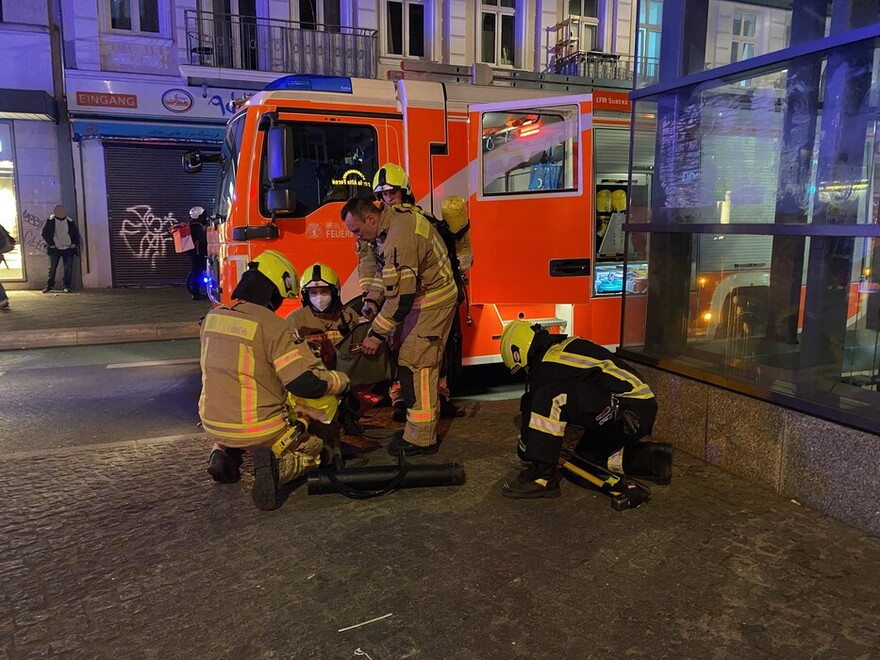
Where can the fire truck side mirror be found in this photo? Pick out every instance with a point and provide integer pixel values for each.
(280, 200)
(192, 161)
(279, 153)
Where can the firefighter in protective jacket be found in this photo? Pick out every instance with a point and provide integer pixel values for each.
(324, 322)
(250, 362)
(571, 379)
(393, 188)
(418, 299)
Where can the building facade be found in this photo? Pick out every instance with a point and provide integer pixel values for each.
(35, 172)
(763, 307)
(129, 85)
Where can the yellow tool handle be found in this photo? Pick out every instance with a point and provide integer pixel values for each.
(604, 484)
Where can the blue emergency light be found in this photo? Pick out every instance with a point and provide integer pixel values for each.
(310, 83)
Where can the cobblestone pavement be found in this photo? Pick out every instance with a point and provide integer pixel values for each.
(127, 550)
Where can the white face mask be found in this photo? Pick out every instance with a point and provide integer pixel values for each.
(320, 301)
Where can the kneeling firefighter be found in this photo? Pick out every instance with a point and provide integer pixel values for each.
(571, 379)
(250, 362)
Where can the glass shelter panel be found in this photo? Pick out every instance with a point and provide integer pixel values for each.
(762, 235)
(822, 347)
(733, 32)
(763, 153)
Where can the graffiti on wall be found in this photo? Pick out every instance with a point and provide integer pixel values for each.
(31, 226)
(147, 235)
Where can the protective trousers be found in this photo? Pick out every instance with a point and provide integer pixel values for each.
(423, 337)
(297, 459)
(294, 461)
(548, 409)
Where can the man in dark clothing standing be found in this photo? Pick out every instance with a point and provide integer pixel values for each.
(62, 240)
(198, 254)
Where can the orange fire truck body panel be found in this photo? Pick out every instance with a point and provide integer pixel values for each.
(435, 131)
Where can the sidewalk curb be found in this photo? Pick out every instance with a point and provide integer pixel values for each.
(109, 334)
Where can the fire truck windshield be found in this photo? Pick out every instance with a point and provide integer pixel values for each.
(331, 162)
(228, 167)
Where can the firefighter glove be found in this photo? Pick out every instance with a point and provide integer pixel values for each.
(370, 309)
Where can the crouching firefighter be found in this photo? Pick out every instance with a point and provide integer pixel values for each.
(250, 362)
(573, 380)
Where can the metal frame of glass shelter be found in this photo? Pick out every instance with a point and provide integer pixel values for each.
(807, 124)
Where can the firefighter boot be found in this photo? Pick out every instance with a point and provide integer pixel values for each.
(399, 414)
(448, 410)
(648, 460)
(224, 466)
(265, 489)
(409, 449)
(537, 481)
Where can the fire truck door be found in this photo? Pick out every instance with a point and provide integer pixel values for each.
(531, 200)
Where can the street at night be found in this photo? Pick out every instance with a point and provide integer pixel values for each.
(116, 543)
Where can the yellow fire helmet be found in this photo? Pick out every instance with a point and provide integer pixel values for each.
(516, 339)
(319, 274)
(391, 176)
(603, 201)
(278, 268)
(618, 200)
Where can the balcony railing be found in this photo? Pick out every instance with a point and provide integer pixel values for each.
(231, 41)
(609, 66)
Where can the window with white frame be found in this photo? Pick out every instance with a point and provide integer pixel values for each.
(136, 16)
(498, 32)
(587, 12)
(650, 27)
(744, 42)
(319, 14)
(405, 28)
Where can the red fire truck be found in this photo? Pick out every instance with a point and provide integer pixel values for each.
(544, 176)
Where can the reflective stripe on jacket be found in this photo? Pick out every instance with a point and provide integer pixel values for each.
(248, 355)
(581, 359)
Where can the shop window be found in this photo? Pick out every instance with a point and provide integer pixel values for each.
(529, 151)
(11, 267)
(497, 31)
(136, 16)
(405, 28)
(330, 164)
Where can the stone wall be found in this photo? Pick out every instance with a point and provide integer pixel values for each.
(824, 465)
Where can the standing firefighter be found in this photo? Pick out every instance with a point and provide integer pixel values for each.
(249, 364)
(574, 380)
(392, 187)
(418, 298)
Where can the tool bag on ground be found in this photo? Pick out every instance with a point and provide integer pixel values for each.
(363, 369)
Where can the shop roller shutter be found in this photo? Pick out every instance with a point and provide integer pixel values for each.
(612, 151)
(147, 192)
